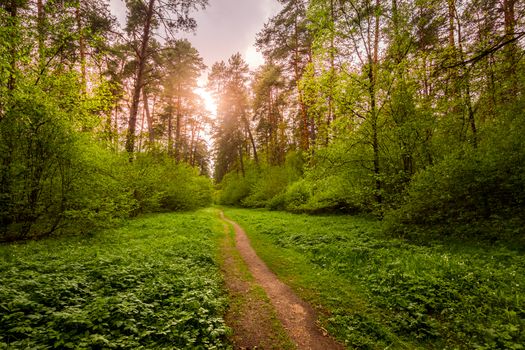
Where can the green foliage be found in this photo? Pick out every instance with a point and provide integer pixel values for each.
(261, 185)
(334, 184)
(37, 145)
(473, 191)
(235, 187)
(56, 178)
(382, 292)
(161, 184)
(271, 182)
(153, 283)
(98, 196)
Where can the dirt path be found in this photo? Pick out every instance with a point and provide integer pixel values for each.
(250, 314)
(297, 317)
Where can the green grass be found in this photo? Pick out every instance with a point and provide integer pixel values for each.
(152, 284)
(376, 292)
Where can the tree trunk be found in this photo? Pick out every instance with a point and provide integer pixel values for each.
(149, 117)
(139, 79)
(141, 131)
(40, 28)
(373, 107)
(241, 161)
(451, 14)
(81, 46)
(511, 49)
(252, 141)
(330, 116)
(302, 108)
(12, 10)
(170, 132)
(466, 84)
(178, 127)
(194, 128)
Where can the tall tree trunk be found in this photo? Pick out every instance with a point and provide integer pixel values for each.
(141, 132)
(192, 142)
(252, 140)
(302, 108)
(40, 25)
(451, 14)
(139, 80)
(468, 97)
(178, 126)
(12, 10)
(331, 77)
(241, 161)
(170, 131)
(511, 49)
(372, 75)
(81, 46)
(149, 118)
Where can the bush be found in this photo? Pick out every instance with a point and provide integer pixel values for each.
(260, 183)
(37, 155)
(297, 195)
(234, 188)
(98, 197)
(472, 191)
(160, 184)
(270, 182)
(56, 178)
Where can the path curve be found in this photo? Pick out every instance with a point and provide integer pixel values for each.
(297, 317)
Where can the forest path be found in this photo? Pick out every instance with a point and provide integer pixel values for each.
(296, 316)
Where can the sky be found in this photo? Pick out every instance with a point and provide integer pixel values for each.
(224, 28)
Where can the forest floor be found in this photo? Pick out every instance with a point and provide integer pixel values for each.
(373, 291)
(158, 281)
(267, 313)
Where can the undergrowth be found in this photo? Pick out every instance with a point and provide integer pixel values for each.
(153, 283)
(376, 292)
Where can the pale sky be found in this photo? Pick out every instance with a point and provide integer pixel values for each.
(224, 28)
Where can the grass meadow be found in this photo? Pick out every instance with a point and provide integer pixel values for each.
(376, 292)
(153, 283)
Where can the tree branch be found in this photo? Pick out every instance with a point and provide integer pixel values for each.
(486, 52)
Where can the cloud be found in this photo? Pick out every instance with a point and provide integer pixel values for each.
(230, 26)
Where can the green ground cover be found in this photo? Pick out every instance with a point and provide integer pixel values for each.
(379, 292)
(153, 283)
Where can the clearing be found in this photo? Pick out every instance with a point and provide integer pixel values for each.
(159, 281)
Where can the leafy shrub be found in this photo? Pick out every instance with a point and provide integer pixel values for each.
(260, 183)
(270, 182)
(297, 195)
(234, 188)
(37, 157)
(56, 178)
(98, 197)
(160, 184)
(470, 191)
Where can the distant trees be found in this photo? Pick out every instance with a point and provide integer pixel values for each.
(234, 139)
(181, 67)
(375, 93)
(143, 19)
(269, 104)
(286, 42)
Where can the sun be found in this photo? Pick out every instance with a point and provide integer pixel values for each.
(253, 57)
(209, 101)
